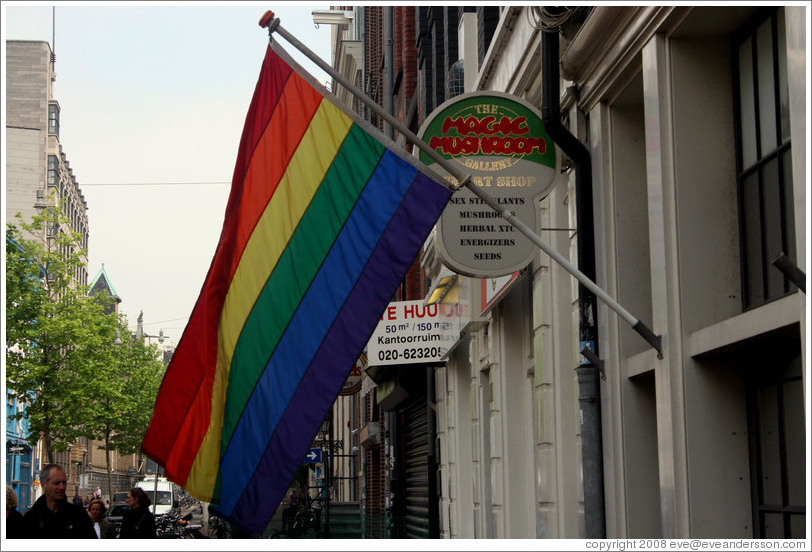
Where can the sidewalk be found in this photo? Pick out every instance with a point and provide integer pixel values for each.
(275, 525)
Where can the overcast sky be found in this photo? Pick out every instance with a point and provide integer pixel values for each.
(153, 101)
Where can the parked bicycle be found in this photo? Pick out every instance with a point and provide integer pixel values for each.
(304, 523)
(170, 526)
(217, 527)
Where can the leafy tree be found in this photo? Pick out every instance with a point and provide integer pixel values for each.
(55, 334)
(124, 392)
(61, 354)
(24, 294)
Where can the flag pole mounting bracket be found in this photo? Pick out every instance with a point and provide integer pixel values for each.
(461, 183)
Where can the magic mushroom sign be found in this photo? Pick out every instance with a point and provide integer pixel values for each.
(501, 141)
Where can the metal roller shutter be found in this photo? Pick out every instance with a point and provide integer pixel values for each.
(416, 470)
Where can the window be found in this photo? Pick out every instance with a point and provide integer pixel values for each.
(777, 444)
(53, 171)
(455, 79)
(53, 119)
(764, 165)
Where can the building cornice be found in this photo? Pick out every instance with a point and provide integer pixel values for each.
(608, 44)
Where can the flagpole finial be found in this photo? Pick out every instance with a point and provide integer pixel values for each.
(269, 20)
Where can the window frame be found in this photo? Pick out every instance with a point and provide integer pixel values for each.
(53, 119)
(757, 272)
(53, 171)
(759, 380)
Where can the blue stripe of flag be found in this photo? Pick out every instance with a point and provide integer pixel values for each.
(310, 323)
(394, 253)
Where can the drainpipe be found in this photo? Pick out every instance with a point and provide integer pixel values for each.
(588, 383)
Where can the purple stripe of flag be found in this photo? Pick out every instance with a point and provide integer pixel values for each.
(394, 253)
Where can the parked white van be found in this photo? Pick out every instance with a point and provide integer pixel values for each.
(161, 492)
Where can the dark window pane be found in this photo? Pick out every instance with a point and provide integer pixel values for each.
(773, 526)
(795, 435)
(53, 170)
(769, 445)
(747, 107)
(783, 86)
(798, 524)
(773, 226)
(53, 119)
(751, 213)
(766, 87)
(789, 205)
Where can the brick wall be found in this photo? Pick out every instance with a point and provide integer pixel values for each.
(415, 282)
(373, 54)
(405, 55)
(405, 60)
(397, 39)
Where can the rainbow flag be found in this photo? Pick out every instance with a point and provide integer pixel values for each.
(321, 225)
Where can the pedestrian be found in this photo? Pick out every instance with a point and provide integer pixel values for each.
(289, 513)
(98, 515)
(14, 519)
(52, 516)
(137, 522)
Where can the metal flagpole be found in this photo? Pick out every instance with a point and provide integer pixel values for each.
(464, 179)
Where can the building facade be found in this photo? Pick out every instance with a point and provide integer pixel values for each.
(37, 174)
(694, 126)
(387, 428)
(19, 455)
(37, 169)
(694, 122)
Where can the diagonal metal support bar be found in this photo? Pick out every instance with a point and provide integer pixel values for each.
(463, 178)
(790, 270)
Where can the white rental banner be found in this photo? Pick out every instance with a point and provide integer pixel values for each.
(410, 332)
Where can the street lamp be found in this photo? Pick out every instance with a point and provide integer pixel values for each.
(160, 337)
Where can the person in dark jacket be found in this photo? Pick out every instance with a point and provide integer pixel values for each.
(137, 522)
(98, 515)
(52, 516)
(14, 519)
